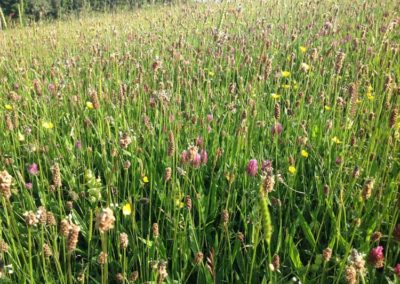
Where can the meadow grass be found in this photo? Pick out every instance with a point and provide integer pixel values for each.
(251, 142)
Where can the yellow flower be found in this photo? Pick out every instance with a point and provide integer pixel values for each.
(127, 209)
(21, 137)
(89, 105)
(286, 86)
(370, 89)
(304, 153)
(48, 125)
(145, 179)
(303, 49)
(285, 74)
(179, 203)
(8, 107)
(275, 96)
(328, 108)
(336, 140)
(211, 73)
(370, 96)
(292, 170)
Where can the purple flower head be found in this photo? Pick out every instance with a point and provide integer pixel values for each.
(210, 117)
(209, 129)
(204, 156)
(276, 128)
(29, 185)
(338, 160)
(196, 161)
(376, 257)
(199, 141)
(78, 145)
(33, 169)
(252, 167)
(184, 156)
(397, 270)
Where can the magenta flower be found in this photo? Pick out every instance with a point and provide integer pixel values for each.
(196, 161)
(78, 145)
(29, 185)
(199, 141)
(184, 156)
(276, 128)
(252, 167)
(33, 169)
(204, 156)
(397, 270)
(376, 257)
(210, 117)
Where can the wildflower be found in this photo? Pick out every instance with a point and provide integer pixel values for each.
(145, 179)
(211, 73)
(21, 137)
(328, 108)
(123, 240)
(184, 156)
(285, 74)
(327, 254)
(252, 167)
(28, 185)
(397, 270)
(376, 257)
(48, 125)
(304, 153)
(303, 49)
(275, 96)
(102, 258)
(31, 219)
(72, 240)
(204, 156)
(286, 86)
(351, 275)
(276, 128)
(127, 209)
(210, 117)
(292, 170)
(196, 161)
(370, 96)
(8, 107)
(336, 140)
(105, 220)
(89, 105)
(5, 184)
(33, 169)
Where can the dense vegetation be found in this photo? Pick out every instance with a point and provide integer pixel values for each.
(221, 143)
(45, 9)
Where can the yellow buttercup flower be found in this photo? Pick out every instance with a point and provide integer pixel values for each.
(292, 170)
(127, 209)
(48, 125)
(370, 96)
(89, 105)
(8, 107)
(304, 153)
(21, 137)
(179, 203)
(145, 179)
(336, 140)
(275, 96)
(211, 73)
(285, 74)
(303, 49)
(328, 108)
